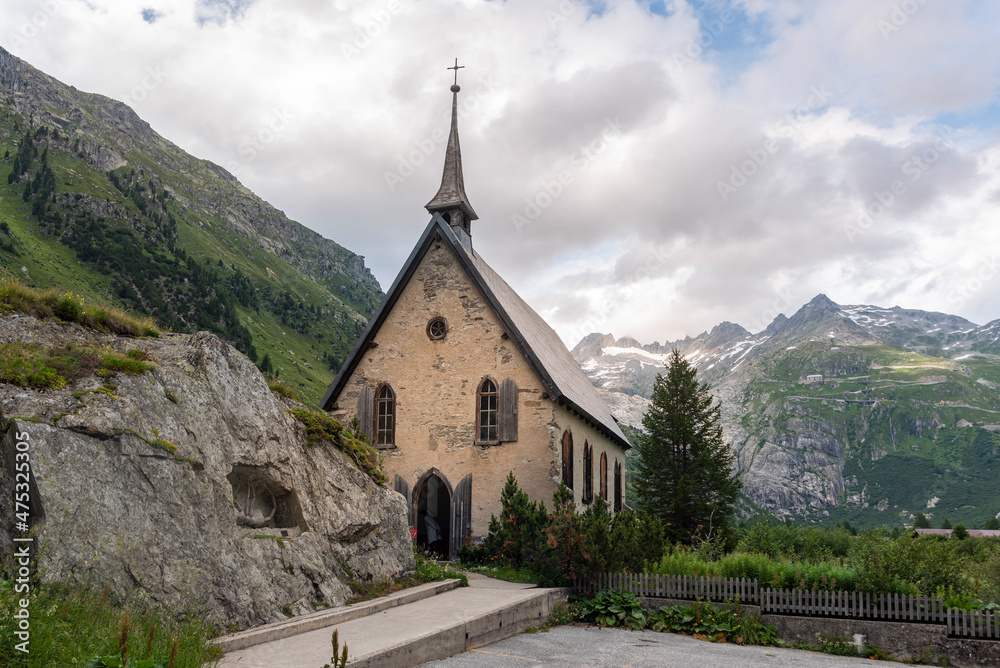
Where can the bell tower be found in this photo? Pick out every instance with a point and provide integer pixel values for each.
(451, 201)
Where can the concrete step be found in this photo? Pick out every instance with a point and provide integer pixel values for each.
(324, 618)
(408, 635)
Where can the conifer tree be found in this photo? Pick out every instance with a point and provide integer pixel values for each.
(684, 471)
(921, 522)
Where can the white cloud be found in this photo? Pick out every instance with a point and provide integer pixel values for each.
(312, 103)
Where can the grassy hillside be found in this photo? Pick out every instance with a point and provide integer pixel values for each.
(919, 433)
(163, 234)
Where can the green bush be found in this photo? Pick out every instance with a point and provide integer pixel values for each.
(613, 608)
(906, 565)
(68, 308)
(730, 623)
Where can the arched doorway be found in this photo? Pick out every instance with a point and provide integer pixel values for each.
(432, 512)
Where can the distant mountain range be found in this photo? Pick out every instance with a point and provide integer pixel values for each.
(93, 200)
(857, 413)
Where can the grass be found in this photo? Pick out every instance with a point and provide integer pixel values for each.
(505, 572)
(17, 297)
(769, 572)
(279, 387)
(71, 624)
(32, 366)
(427, 571)
(321, 427)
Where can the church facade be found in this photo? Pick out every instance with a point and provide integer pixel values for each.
(458, 381)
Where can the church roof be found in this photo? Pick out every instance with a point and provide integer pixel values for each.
(541, 346)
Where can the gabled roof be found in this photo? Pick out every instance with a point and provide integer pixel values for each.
(541, 346)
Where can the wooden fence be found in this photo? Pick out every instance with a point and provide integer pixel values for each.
(978, 624)
(673, 586)
(890, 607)
(895, 607)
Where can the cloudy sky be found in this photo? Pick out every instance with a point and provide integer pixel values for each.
(642, 168)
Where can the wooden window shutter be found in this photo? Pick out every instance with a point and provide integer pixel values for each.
(461, 515)
(567, 459)
(366, 412)
(400, 486)
(508, 411)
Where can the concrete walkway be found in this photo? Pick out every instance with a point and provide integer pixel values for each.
(593, 647)
(407, 635)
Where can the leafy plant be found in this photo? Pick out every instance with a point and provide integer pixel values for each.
(731, 623)
(613, 608)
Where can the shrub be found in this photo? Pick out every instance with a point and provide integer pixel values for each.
(517, 536)
(613, 608)
(68, 308)
(702, 620)
(906, 565)
(322, 427)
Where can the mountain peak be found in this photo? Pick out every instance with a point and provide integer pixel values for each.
(823, 302)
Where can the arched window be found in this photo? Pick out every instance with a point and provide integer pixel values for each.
(385, 416)
(618, 486)
(588, 473)
(567, 459)
(486, 416)
(604, 476)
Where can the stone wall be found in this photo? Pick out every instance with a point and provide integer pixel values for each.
(436, 385)
(928, 642)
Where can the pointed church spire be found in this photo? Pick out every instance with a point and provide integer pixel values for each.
(451, 200)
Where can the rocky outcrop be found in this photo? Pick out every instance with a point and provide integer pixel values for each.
(193, 484)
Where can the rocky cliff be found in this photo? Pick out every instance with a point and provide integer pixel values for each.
(190, 482)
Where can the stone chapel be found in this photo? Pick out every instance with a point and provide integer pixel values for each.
(457, 381)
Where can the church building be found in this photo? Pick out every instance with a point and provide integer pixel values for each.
(457, 381)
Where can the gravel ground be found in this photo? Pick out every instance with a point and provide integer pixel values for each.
(595, 647)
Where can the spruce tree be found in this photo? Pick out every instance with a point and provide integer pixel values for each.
(684, 472)
(921, 522)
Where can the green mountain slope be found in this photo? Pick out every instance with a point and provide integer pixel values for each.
(904, 419)
(93, 201)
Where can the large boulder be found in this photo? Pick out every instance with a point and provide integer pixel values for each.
(244, 522)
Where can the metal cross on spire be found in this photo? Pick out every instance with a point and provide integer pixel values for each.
(457, 67)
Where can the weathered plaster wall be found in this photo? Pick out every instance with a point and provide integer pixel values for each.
(436, 383)
(582, 433)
